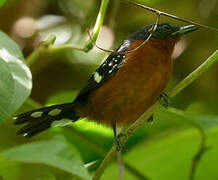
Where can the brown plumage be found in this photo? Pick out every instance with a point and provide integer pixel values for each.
(136, 86)
(122, 88)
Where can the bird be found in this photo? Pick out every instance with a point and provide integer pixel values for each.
(122, 88)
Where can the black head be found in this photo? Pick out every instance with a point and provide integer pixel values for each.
(162, 31)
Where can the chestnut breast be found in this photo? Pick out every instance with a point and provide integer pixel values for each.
(134, 88)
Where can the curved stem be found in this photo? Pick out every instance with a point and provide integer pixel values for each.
(98, 24)
(202, 149)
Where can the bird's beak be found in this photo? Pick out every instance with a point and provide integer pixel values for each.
(185, 29)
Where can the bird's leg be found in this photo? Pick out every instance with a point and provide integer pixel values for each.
(118, 144)
(164, 100)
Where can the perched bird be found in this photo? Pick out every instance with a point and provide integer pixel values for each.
(124, 86)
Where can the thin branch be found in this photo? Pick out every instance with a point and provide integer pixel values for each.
(172, 16)
(152, 30)
(40, 50)
(121, 165)
(139, 122)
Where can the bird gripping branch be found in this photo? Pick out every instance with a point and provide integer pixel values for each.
(123, 87)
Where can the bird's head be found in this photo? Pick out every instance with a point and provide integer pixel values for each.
(163, 31)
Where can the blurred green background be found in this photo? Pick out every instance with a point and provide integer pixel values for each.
(162, 150)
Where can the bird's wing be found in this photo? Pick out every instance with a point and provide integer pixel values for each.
(107, 70)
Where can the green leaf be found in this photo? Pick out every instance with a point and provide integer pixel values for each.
(163, 157)
(55, 152)
(15, 77)
(167, 153)
(2, 2)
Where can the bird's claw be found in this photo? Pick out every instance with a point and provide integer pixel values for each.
(164, 100)
(119, 145)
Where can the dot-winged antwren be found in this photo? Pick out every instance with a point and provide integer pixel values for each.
(124, 86)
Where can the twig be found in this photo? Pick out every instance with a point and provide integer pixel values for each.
(134, 127)
(40, 50)
(152, 30)
(120, 165)
(172, 16)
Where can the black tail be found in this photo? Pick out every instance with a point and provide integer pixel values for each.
(41, 119)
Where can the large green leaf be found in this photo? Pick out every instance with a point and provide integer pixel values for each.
(15, 77)
(164, 158)
(55, 152)
(169, 156)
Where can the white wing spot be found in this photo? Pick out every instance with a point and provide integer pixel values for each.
(118, 56)
(25, 134)
(110, 64)
(115, 60)
(15, 117)
(62, 122)
(97, 77)
(54, 112)
(37, 114)
(110, 71)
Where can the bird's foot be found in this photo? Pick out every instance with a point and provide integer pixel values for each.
(118, 143)
(164, 100)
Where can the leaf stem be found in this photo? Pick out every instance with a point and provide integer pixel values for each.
(202, 149)
(139, 122)
(98, 24)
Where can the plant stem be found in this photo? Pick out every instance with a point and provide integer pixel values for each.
(40, 50)
(98, 24)
(202, 149)
(139, 122)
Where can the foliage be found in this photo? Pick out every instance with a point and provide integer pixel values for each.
(15, 77)
(181, 141)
